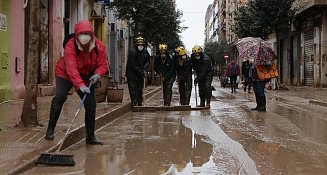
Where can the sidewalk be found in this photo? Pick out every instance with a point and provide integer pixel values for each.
(303, 94)
(20, 147)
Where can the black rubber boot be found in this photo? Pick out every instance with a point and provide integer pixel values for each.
(89, 125)
(140, 100)
(262, 106)
(208, 102)
(55, 110)
(202, 102)
(258, 103)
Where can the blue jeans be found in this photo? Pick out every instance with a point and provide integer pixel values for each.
(259, 88)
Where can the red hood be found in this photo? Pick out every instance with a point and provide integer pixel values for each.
(83, 26)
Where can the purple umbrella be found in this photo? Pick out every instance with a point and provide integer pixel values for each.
(256, 49)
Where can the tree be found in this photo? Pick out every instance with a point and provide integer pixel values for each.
(29, 113)
(262, 17)
(216, 51)
(157, 20)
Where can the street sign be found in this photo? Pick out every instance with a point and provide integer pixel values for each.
(226, 56)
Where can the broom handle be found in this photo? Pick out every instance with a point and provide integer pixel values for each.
(196, 98)
(73, 121)
(162, 92)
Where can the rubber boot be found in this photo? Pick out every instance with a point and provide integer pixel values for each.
(56, 106)
(89, 125)
(258, 103)
(235, 88)
(140, 99)
(208, 102)
(202, 102)
(262, 106)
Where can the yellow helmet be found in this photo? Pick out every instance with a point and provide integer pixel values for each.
(196, 49)
(162, 47)
(180, 51)
(139, 41)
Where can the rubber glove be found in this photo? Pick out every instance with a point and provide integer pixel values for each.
(84, 89)
(95, 78)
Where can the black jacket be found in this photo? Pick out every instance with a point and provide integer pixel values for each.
(166, 68)
(137, 62)
(203, 66)
(183, 68)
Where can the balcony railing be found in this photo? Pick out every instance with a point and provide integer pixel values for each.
(305, 4)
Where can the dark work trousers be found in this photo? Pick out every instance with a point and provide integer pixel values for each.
(185, 88)
(259, 88)
(63, 86)
(167, 90)
(135, 88)
(247, 83)
(205, 87)
(233, 83)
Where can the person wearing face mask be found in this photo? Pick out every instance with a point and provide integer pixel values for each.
(164, 66)
(203, 68)
(79, 69)
(184, 75)
(137, 62)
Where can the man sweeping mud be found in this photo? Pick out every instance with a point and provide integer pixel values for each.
(84, 61)
(204, 74)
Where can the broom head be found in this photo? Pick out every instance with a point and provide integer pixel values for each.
(55, 159)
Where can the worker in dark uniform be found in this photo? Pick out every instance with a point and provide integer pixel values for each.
(204, 74)
(184, 75)
(138, 61)
(165, 67)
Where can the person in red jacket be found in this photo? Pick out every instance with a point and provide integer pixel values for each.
(84, 61)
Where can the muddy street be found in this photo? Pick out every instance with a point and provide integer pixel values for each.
(290, 138)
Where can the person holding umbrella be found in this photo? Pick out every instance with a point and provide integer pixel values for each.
(259, 90)
(261, 54)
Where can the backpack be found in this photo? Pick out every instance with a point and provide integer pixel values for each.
(233, 70)
(72, 35)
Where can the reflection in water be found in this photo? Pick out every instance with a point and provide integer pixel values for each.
(153, 147)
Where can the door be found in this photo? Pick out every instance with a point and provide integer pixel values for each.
(309, 57)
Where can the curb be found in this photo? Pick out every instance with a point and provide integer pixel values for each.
(26, 161)
(320, 103)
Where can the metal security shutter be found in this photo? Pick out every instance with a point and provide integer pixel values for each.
(112, 55)
(308, 57)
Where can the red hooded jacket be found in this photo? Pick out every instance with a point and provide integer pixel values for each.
(72, 65)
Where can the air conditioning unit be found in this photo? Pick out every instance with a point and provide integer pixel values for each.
(98, 9)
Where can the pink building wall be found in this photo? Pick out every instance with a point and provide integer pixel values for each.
(55, 32)
(17, 48)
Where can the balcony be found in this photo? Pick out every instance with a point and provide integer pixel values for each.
(306, 4)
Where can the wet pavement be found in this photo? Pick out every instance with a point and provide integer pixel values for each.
(290, 138)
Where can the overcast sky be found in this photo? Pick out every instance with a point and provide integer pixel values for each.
(193, 16)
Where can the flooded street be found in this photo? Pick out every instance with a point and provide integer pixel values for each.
(290, 138)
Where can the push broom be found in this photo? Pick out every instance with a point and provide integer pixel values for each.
(57, 158)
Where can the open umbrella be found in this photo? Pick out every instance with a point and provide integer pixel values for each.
(256, 49)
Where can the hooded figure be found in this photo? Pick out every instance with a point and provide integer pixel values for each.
(137, 62)
(84, 61)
